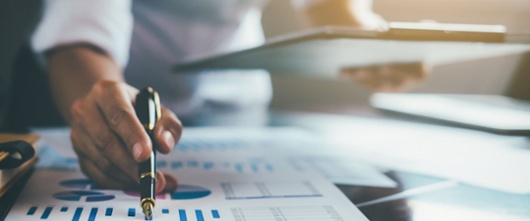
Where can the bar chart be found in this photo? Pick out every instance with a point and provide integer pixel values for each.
(97, 213)
(223, 181)
(243, 166)
(220, 144)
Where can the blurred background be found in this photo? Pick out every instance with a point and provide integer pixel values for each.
(506, 75)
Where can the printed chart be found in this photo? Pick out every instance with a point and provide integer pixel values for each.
(247, 166)
(219, 180)
(96, 213)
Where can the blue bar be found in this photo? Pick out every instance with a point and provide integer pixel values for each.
(269, 167)
(199, 215)
(132, 212)
(208, 165)
(254, 167)
(215, 214)
(176, 165)
(46, 213)
(108, 212)
(165, 211)
(64, 209)
(182, 215)
(77, 213)
(93, 213)
(239, 167)
(31, 211)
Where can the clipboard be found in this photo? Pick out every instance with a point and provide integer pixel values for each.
(324, 51)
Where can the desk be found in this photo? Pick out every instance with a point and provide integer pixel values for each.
(448, 200)
(460, 202)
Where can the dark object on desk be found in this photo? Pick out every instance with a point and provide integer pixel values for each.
(8, 199)
(323, 52)
(491, 113)
(21, 149)
(19, 159)
(148, 111)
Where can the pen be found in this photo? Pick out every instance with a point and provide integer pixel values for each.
(148, 111)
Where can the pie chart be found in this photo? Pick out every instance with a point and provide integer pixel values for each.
(183, 192)
(188, 192)
(80, 195)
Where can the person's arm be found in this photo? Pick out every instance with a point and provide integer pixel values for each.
(339, 12)
(74, 70)
(89, 89)
(83, 45)
(395, 77)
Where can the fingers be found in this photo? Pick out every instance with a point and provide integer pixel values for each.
(110, 141)
(369, 20)
(102, 171)
(96, 141)
(113, 159)
(114, 102)
(388, 78)
(165, 182)
(167, 131)
(99, 178)
(106, 174)
(171, 183)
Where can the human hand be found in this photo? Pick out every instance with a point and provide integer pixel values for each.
(394, 77)
(110, 140)
(356, 13)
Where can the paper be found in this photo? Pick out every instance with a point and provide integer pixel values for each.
(62, 195)
(255, 150)
(224, 174)
(473, 157)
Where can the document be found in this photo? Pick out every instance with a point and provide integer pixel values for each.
(244, 150)
(473, 157)
(66, 195)
(255, 175)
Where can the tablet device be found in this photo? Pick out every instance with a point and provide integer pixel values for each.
(491, 113)
(325, 51)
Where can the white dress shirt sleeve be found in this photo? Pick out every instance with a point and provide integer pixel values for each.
(105, 24)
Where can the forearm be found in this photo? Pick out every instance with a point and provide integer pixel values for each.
(74, 70)
(337, 12)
